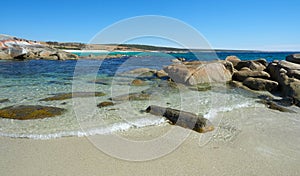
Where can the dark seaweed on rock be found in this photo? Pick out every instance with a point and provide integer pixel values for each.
(64, 96)
(132, 97)
(26, 112)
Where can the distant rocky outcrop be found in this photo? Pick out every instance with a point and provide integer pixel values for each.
(65, 45)
(22, 49)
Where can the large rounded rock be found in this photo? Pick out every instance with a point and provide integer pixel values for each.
(244, 74)
(295, 58)
(233, 59)
(193, 73)
(26, 112)
(260, 84)
(288, 65)
(255, 65)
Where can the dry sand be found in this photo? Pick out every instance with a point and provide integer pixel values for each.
(252, 142)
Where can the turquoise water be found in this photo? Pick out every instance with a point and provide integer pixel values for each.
(269, 56)
(26, 82)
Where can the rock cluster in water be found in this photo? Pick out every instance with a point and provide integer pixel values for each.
(21, 49)
(278, 76)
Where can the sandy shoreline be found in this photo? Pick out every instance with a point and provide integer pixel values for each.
(261, 142)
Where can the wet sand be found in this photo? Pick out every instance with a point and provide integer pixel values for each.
(249, 141)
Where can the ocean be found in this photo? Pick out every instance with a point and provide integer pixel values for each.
(27, 82)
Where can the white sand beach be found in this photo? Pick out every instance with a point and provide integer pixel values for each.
(260, 142)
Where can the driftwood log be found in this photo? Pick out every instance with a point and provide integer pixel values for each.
(182, 118)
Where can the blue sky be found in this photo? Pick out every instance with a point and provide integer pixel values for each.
(227, 24)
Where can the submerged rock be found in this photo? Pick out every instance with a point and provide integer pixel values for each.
(105, 104)
(201, 87)
(182, 118)
(140, 71)
(138, 82)
(132, 97)
(64, 96)
(26, 112)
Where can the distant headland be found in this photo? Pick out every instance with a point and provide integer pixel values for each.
(22, 49)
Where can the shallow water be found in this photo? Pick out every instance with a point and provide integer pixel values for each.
(26, 82)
